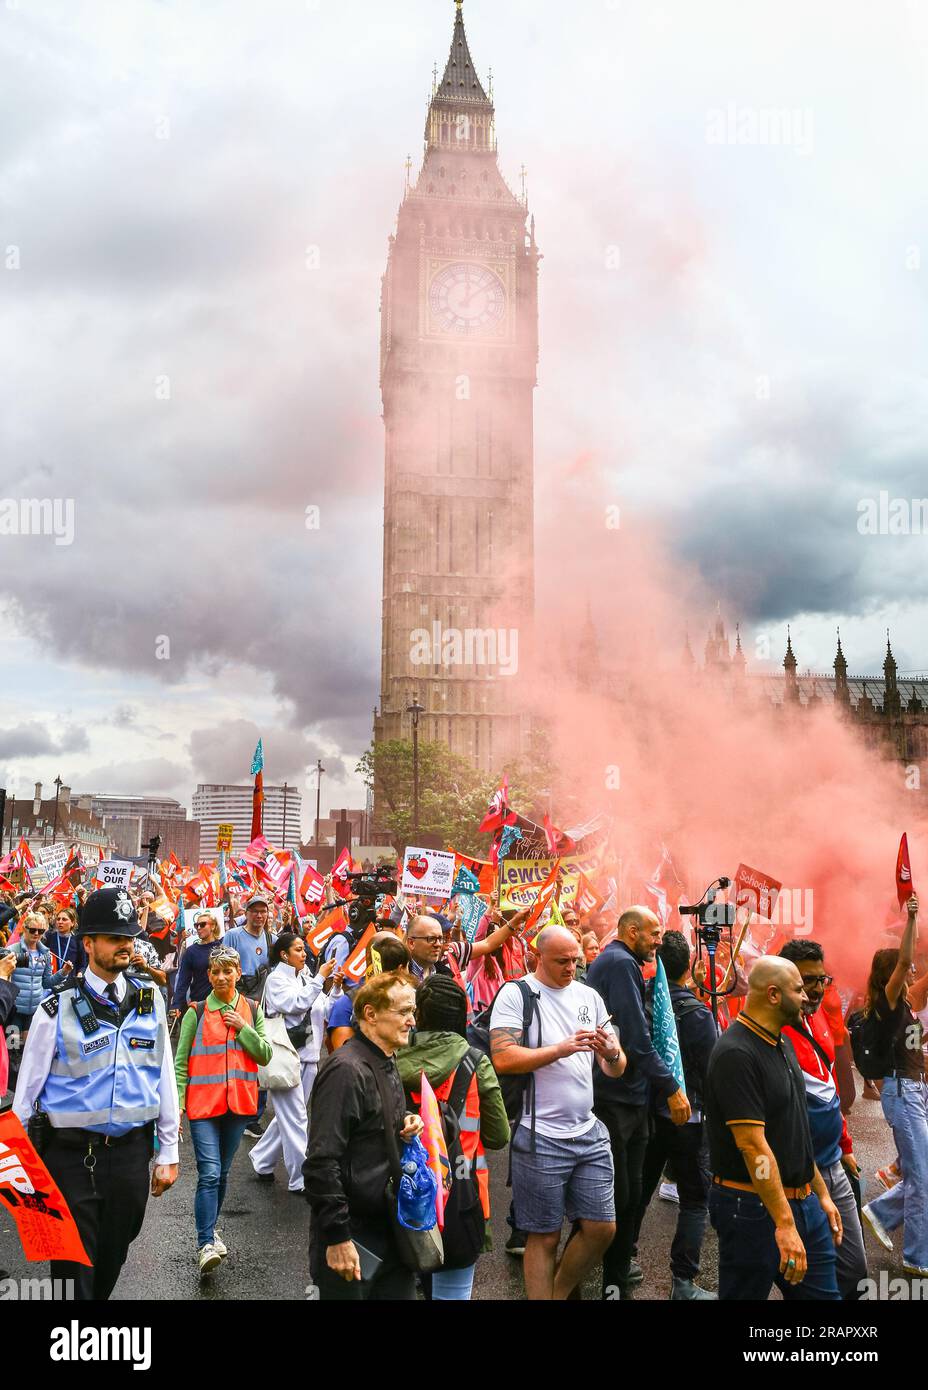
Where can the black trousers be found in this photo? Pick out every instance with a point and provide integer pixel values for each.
(393, 1282)
(109, 1208)
(683, 1146)
(628, 1137)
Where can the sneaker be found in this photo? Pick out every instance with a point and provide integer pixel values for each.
(634, 1276)
(254, 1131)
(668, 1192)
(208, 1259)
(515, 1245)
(876, 1226)
(684, 1290)
(219, 1245)
(887, 1177)
(915, 1269)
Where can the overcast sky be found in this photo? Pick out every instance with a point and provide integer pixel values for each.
(734, 331)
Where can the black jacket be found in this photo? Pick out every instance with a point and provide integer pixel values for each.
(697, 1037)
(616, 975)
(347, 1169)
(7, 1000)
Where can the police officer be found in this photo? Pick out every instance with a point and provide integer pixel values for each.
(96, 1079)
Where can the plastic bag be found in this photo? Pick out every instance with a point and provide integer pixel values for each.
(415, 1202)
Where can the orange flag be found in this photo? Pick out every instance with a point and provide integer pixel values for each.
(433, 1140)
(32, 1197)
(354, 966)
(333, 921)
(545, 893)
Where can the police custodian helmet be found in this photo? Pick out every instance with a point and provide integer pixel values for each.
(109, 912)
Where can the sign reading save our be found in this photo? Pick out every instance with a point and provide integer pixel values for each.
(114, 873)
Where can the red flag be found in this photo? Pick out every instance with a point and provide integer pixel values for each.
(312, 887)
(31, 1196)
(433, 1141)
(545, 893)
(340, 869)
(904, 885)
(498, 807)
(333, 921)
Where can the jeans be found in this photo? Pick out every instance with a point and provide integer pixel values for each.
(749, 1258)
(905, 1107)
(850, 1256)
(453, 1284)
(215, 1143)
(628, 1139)
(683, 1145)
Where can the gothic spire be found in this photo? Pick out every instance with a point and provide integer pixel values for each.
(789, 661)
(460, 82)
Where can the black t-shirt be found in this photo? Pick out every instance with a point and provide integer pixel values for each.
(754, 1077)
(906, 1033)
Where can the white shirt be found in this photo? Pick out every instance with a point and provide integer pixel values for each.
(563, 1089)
(293, 994)
(39, 1054)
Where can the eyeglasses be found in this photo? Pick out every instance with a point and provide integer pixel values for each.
(817, 981)
(429, 940)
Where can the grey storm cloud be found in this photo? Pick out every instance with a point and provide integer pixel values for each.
(214, 751)
(139, 777)
(32, 739)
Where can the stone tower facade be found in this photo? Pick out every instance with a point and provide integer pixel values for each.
(459, 349)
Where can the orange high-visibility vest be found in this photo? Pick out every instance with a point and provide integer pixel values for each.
(471, 1145)
(221, 1077)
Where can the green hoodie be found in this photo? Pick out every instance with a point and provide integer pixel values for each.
(438, 1054)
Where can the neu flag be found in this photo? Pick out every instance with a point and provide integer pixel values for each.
(904, 885)
(664, 1025)
(30, 1195)
(498, 807)
(433, 1141)
(257, 772)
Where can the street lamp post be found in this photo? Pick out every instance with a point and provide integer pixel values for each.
(285, 817)
(58, 785)
(319, 770)
(415, 709)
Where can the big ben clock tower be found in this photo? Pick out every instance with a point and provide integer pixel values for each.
(459, 347)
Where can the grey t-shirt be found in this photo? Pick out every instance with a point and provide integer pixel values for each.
(563, 1089)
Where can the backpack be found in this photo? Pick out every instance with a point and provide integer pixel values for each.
(871, 1044)
(464, 1233)
(518, 1091)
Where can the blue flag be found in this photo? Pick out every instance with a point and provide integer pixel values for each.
(257, 762)
(664, 1026)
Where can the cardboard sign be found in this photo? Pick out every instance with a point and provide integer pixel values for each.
(114, 873)
(191, 934)
(32, 1197)
(428, 872)
(756, 891)
(224, 833)
(53, 859)
(39, 876)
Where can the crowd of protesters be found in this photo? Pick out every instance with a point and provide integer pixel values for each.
(543, 1041)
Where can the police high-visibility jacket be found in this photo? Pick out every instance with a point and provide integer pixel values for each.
(106, 1077)
(221, 1076)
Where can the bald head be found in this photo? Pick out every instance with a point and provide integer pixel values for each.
(775, 992)
(641, 931)
(425, 940)
(558, 953)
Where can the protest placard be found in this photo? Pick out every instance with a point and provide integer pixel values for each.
(190, 916)
(756, 891)
(428, 872)
(114, 873)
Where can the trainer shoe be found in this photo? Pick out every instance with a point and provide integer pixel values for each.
(219, 1245)
(915, 1269)
(887, 1177)
(684, 1290)
(515, 1245)
(635, 1274)
(877, 1227)
(668, 1192)
(209, 1258)
(254, 1131)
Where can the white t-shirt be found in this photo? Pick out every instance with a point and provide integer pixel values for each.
(563, 1089)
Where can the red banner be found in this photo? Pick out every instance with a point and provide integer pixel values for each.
(333, 921)
(28, 1191)
(904, 885)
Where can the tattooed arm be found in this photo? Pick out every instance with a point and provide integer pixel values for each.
(511, 1058)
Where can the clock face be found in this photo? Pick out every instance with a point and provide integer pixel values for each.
(467, 298)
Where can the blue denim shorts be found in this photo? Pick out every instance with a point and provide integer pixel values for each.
(570, 1178)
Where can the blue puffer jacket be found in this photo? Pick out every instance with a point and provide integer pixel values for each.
(33, 981)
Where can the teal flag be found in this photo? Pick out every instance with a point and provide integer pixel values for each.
(257, 762)
(664, 1025)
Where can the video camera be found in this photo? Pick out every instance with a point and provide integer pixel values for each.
(367, 888)
(712, 918)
